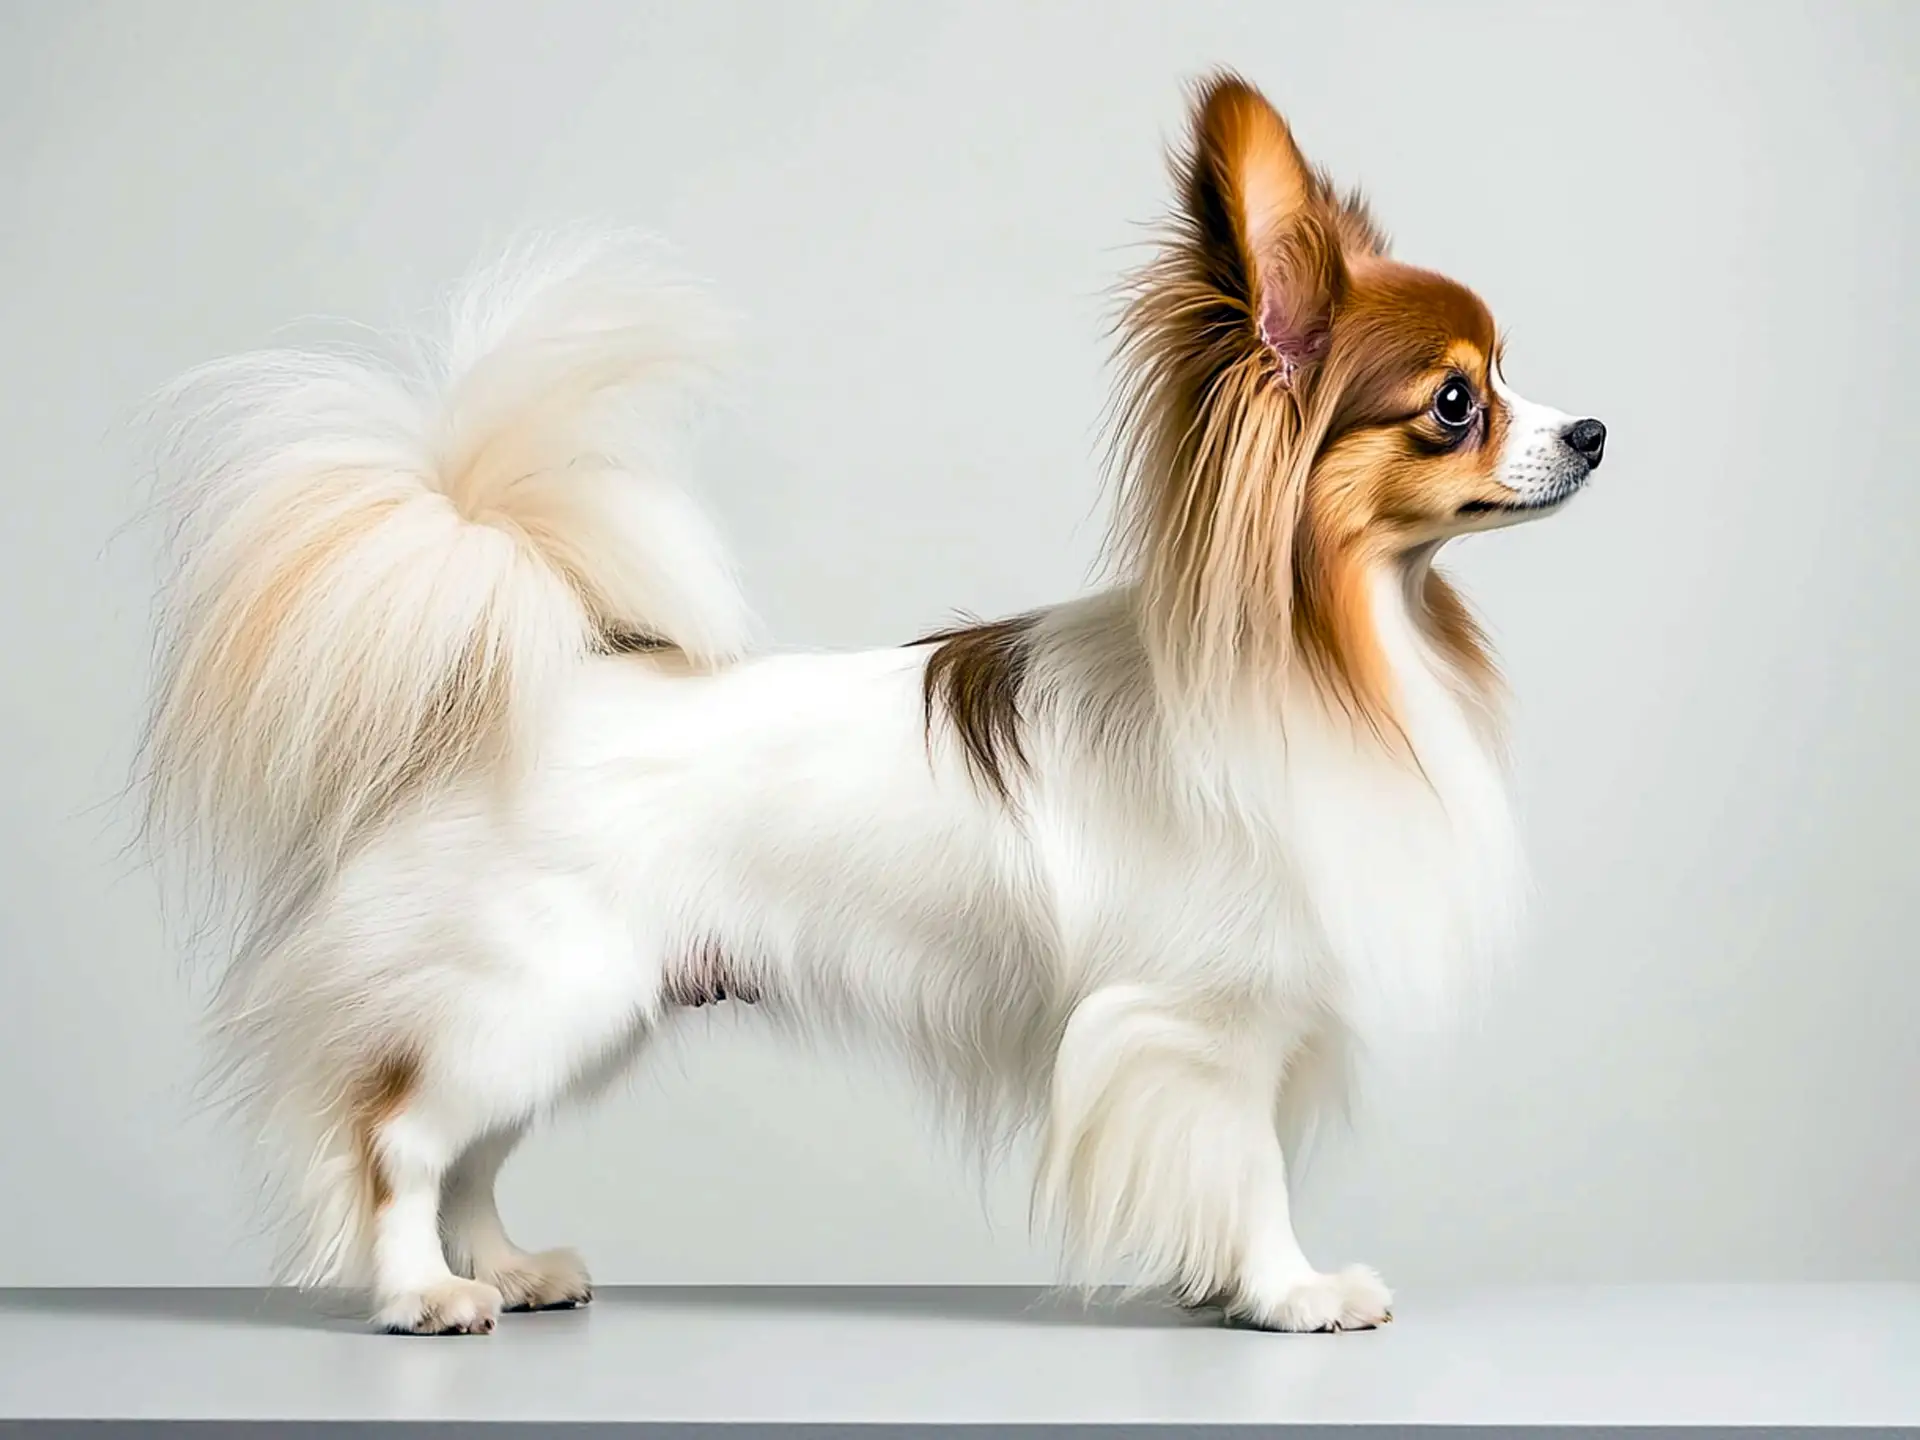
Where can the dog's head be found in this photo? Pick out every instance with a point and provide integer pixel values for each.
(1301, 410)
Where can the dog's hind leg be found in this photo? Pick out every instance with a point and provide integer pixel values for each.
(533, 995)
(477, 1243)
(410, 1150)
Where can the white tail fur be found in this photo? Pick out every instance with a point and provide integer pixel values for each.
(378, 573)
(381, 572)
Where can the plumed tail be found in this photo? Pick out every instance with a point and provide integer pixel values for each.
(381, 572)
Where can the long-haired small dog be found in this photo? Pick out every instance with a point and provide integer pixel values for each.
(456, 699)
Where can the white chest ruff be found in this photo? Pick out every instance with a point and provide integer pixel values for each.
(1413, 875)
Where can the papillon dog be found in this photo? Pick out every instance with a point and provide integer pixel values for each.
(457, 709)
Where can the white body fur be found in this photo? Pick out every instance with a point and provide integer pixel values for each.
(465, 844)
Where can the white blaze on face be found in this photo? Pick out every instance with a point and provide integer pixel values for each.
(1535, 463)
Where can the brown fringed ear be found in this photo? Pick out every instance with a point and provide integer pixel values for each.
(1285, 238)
(1219, 411)
(1230, 380)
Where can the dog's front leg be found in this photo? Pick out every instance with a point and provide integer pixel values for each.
(1162, 1155)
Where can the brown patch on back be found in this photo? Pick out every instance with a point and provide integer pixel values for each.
(974, 677)
(382, 1095)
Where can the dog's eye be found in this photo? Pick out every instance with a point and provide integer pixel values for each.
(1454, 407)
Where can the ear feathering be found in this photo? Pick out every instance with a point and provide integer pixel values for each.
(1229, 385)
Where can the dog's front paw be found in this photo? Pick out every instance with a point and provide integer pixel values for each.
(452, 1307)
(1352, 1299)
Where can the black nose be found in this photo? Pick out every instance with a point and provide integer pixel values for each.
(1587, 439)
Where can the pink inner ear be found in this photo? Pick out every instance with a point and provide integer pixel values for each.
(1295, 342)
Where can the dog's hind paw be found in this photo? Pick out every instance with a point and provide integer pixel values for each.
(551, 1280)
(451, 1307)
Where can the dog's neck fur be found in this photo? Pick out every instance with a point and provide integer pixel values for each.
(1410, 840)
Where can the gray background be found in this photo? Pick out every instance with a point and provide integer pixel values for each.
(1696, 222)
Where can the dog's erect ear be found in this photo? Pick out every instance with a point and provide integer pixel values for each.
(1274, 239)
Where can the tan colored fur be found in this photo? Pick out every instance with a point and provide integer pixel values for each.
(1273, 362)
(382, 1094)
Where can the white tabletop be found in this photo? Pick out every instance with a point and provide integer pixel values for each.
(1811, 1356)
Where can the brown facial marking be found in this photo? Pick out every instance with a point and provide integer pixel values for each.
(382, 1094)
(1390, 475)
(973, 678)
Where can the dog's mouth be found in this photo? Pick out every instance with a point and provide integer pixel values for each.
(1528, 504)
(1510, 507)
